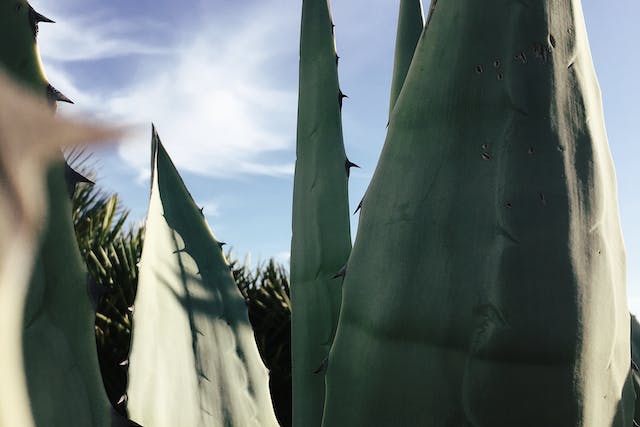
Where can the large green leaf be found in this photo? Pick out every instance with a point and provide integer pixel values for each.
(18, 50)
(410, 25)
(60, 361)
(321, 239)
(267, 293)
(194, 360)
(58, 385)
(63, 374)
(486, 286)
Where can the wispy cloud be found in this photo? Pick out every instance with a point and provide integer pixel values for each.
(217, 111)
(94, 38)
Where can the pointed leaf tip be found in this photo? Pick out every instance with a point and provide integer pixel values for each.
(348, 164)
(55, 95)
(358, 208)
(73, 178)
(341, 96)
(35, 18)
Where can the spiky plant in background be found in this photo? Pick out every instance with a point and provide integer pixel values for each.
(111, 250)
(321, 239)
(487, 283)
(63, 376)
(194, 359)
(266, 291)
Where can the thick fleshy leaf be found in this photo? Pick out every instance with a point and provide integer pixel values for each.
(486, 286)
(321, 239)
(194, 359)
(57, 348)
(410, 25)
(18, 51)
(63, 375)
(30, 138)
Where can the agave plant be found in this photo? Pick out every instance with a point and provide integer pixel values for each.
(194, 359)
(60, 359)
(487, 286)
(321, 239)
(30, 138)
(111, 249)
(266, 291)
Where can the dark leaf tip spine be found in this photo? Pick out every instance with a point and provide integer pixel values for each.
(35, 18)
(348, 164)
(55, 95)
(341, 96)
(358, 208)
(73, 178)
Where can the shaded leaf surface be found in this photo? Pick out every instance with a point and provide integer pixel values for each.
(194, 360)
(487, 284)
(30, 138)
(321, 238)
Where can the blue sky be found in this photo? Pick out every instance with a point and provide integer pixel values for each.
(219, 80)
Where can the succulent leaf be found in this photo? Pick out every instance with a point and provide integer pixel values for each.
(321, 239)
(58, 342)
(30, 138)
(194, 360)
(487, 282)
(410, 26)
(18, 50)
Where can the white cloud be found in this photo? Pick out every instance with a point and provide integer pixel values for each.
(92, 38)
(216, 110)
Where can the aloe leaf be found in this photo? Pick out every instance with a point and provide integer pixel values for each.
(194, 361)
(30, 137)
(487, 286)
(321, 239)
(410, 25)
